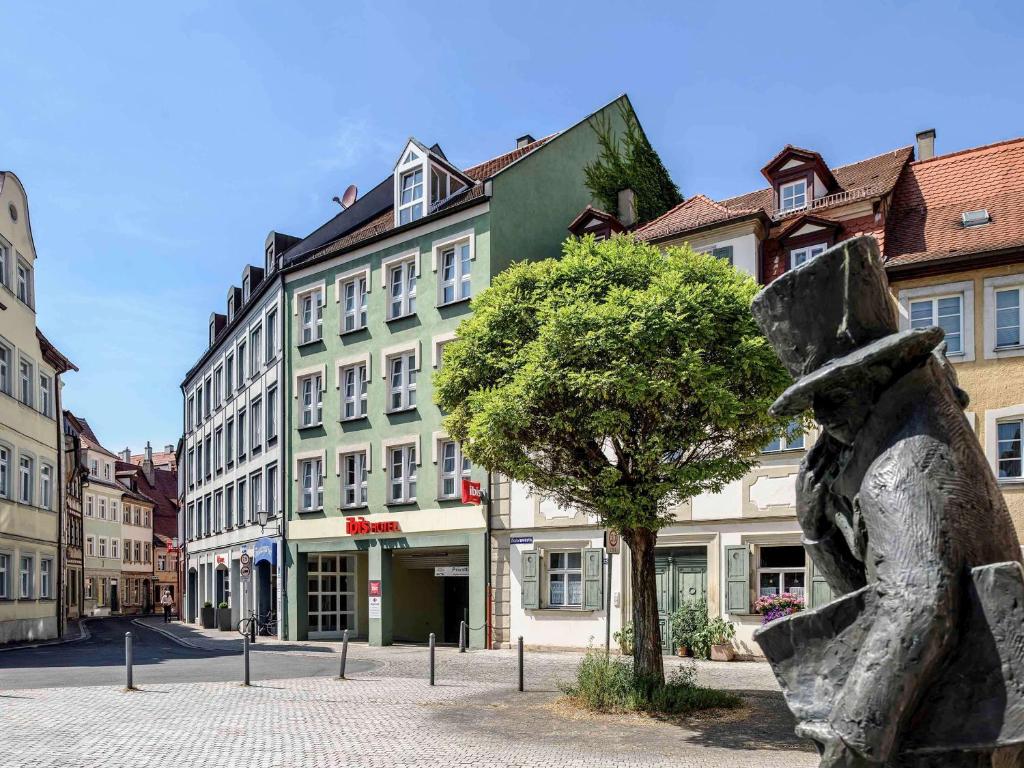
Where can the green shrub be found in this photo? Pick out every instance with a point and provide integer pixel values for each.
(207, 604)
(223, 606)
(610, 685)
(624, 638)
(688, 622)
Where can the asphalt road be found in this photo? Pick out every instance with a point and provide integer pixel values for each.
(99, 660)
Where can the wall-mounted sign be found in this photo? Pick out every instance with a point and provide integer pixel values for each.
(355, 526)
(451, 570)
(611, 542)
(220, 559)
(522, 539)
(373, 607)
(374, 588)
(470, 492)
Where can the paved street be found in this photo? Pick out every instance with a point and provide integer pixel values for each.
(69, 711)
(99, 660)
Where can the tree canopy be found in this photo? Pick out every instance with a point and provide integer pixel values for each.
(618, 379)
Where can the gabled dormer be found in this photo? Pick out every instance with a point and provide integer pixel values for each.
(274, 247)
(251, 279)
(217, 323)
(234, 301)
(798, 178)
(424, 179)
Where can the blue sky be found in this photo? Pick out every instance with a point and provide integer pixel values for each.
(161, 142)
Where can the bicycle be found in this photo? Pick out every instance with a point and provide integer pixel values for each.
(266, 625)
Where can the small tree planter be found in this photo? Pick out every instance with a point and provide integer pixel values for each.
(682, 650)
(207, 617)
(723, 652)
(224, 619)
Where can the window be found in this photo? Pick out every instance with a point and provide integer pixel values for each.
(207, 450)
(229, 506)
(147, 553)
(800, 256)
(240, 368)
(191, 411)
(229, 374)
(255, 349)
(94, 468)
(271, 413)
(218, 511)
(229, 442)
(312, 473)
(246, 283)
(402, 289)
(45, 395)
(136, 516)
(355, 300)
(1009, 448)
(137, 552)
(353, 392)
(240, 488)
(256, 496)
(208, 516)
(113, 547)
(5, 576)
(190, 467)
(103, 508)
(24, 288)
(455, 272)
(218, 443)
(271, 335)
(272, 490)
(310, 388)
(90, 546)
(5, 369)
(161, 562)
(565, 579)
(106, 470)
(781, 569)
(45, 486)
(190, 527)
(5, 260)
(27, 382)
(89, 588)
(402, 471)
(793, 439)
(256, 425)
(410, 204)
(27, 574)
(88, 506)
(793, 195)
(1008, 306)
(241, 435)
(218, 378)
(5, 472)
(402, 382)
(943, 311)
(46, 579)
(312, 316)
(103, 546)
(207, 396)
(353, 480)
(454, 469)
(25, 472)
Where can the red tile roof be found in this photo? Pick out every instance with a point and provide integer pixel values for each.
(873, 176)
(159, 458)
(488, 168)
(924, 223)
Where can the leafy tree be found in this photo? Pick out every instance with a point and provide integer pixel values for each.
(618, 379)
(628, 161)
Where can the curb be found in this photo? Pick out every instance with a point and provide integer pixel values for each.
(83, 634)
(170, 636)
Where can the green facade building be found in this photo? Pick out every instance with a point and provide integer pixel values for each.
(379, 541)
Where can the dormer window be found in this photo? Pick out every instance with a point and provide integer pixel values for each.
(213, 331)
(793, 196)
(410, 206)
(231, 306)
(245, 288)
(270, 259)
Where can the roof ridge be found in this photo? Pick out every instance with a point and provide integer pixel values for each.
(968, 150)
(511, 151)
(873, 157)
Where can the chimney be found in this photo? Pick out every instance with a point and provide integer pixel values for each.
(926, 144)
(168, 448)
(627, 207)
(523, 140)
(147, 464)
(126, 455)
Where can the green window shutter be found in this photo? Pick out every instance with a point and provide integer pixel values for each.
(820, 592)
(737, 579)
(530, 579)
(593, 578)
(723, 253)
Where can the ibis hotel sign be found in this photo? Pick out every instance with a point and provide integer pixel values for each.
(357, 526)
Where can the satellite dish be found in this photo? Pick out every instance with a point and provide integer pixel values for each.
(350, 196)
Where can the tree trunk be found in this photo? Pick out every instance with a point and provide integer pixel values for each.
(646, 636)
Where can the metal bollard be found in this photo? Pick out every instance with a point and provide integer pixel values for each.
(245, 657)
(128, 684)
(462, 637)
(431, 658)
(344, 654)
(520, 663)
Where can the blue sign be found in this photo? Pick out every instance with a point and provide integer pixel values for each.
(522, 539)
(265, 551)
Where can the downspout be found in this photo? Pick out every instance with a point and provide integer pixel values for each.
(488, 596)
(61, 494)
(182, 525)
(283, 441)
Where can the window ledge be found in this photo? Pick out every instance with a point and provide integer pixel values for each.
(441, 305)
(1011, 480)
(1008, 348)
(561, 609)
(302, 344)
(401, 317)
(400, 410)
(310, 511)
(357, 330)
(351, 419)
(302, 427)
(354, 508)
(406, 503)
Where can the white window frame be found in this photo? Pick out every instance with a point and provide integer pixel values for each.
(309, 391)
(22, 266)
(459, 277)
(309, 311)
(965, 290)
(310, 477)
(783, 188)
(46, 485)
(354, 467)
(90, 546)
(456, 472)
(45, 394)
(5, 262)
(992, 286)
(26, 478)
(993, 418)
(409, 207)
(354, 380)
(26, 577)
(271, 415)
(6, 367)
(256, 425)
(783, 571)
(5, 575)
(27, 380)
(353, 316)
(401, 378)
(565, 573)
(806, 253)
(786, 442)
(409, 266)
(6, 475)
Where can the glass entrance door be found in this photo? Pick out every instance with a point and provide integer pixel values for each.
(331, 596)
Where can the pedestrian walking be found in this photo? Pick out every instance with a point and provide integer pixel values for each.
(167, 601)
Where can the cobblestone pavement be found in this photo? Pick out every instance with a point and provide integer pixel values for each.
(387, 715)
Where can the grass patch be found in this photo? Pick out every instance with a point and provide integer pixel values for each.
(610, 685)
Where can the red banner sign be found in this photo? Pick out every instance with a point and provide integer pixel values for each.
(355, 526)
(470, 492)
(374, 588)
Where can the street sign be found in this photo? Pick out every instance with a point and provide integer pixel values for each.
(246, 571)
(451, 570)
(373, 608)
(611, 542)
(245, 559)
(522, 539)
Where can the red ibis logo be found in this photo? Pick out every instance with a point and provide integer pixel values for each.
(470, 492)
(356, 526)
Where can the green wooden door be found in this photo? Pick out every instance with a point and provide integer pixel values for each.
(663, 583)
(680, 575)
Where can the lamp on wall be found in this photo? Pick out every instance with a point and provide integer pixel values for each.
(263, 518)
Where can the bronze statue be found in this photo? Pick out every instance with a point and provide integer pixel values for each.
(920, 661)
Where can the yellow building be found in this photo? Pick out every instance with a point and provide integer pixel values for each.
(31, 453)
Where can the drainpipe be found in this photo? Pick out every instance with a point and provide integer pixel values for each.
(488, 593)
(57, 488)
(283, 464)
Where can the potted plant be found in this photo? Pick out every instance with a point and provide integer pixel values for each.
(624, 638)
(720, 634)
(224, 617)
(773, 607)
(686, 624)
(206, 615)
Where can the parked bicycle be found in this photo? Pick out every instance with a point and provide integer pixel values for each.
(266, 625)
